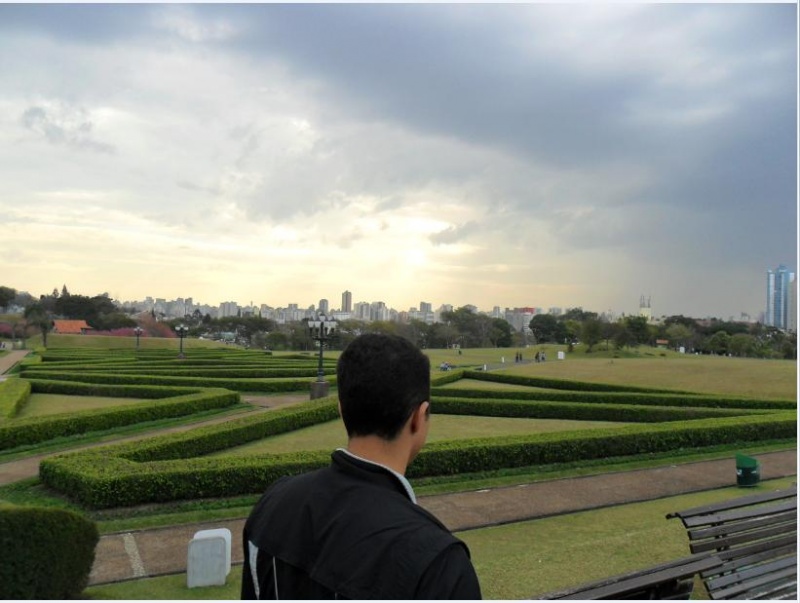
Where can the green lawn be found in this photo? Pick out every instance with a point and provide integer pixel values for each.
(331, 435)
(522, 560)
(40, 405)
(773, 379)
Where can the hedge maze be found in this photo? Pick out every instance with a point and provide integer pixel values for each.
(176, 467)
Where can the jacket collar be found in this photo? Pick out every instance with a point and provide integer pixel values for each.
(344, 457)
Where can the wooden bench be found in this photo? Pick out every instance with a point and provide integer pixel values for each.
(673, 580)
(756, 539)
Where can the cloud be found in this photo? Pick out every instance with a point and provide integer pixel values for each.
(498, 154)
(60, 124)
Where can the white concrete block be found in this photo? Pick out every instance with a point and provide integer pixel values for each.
(209, 558)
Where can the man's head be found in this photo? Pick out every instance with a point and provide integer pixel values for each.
(382, 380)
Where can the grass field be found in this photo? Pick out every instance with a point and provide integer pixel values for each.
(704, 374)
(40, 405)
(331, 435)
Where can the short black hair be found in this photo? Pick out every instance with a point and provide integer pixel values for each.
(381, 379)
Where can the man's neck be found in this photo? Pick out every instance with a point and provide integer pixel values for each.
(373, 448)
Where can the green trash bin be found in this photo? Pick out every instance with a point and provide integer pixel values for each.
(748, 470)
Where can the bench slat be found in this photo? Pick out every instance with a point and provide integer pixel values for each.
(750, 587)
(752, 572)
(739, 514)
(741, 501)
(744, 538)
(740, 562)
(727, 529)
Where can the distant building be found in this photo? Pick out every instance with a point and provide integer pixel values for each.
(323, 306)
(71, 327)
(780, 298)
(645, 310)
(347, 302)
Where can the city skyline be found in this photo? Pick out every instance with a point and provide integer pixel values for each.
(515, 155)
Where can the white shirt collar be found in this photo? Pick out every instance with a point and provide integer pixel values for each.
(399, 476)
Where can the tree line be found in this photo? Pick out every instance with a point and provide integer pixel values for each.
(461, 327)
(711, 336)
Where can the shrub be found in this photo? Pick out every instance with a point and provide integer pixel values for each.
(35, 430)
(14, 394)
(47, 553)
(551, 383)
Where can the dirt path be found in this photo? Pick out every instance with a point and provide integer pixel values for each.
(14, 471)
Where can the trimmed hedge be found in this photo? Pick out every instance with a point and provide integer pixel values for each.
(627, 413)
(241, 385)
(448, 458)
(77, 388)
(14, 394)
(47, 553)
(694, 400)
(550, 383)
(119, 481)
(35, 430)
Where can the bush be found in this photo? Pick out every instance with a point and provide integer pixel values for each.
(563, 383)
(35, 430)
(161, 470)
(645, 399)
(47, 553)
(14, 394)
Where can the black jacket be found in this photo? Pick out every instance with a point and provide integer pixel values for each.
(351, 531)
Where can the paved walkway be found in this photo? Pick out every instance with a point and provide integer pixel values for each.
(7, 361)
(138, 554)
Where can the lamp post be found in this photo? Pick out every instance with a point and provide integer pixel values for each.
(138, 332)
(320, 330)
(181, 330)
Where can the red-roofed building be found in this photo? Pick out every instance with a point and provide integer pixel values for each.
(71, 327)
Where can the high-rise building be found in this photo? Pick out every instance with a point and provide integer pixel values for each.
(425, 307)
(779, 297)
(323, 306)
(347, 302)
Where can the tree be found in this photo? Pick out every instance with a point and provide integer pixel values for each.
(741, 344)
(501, 333)
(591, 332)
(37, 316)
(718, 342)
(637, 327)
(680, 335)
(548, 329)
(7, 295)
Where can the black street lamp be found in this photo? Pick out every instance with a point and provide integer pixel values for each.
(181, 330)
(138, 332)
(320, 330)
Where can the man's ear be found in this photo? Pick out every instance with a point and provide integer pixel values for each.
(420, 416)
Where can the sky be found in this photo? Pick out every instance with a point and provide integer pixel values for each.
(495, 155)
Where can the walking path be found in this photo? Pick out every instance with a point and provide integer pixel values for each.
(144, 553)
(7, 361)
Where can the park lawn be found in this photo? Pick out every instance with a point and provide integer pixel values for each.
(331, 435)
(750, 377)
(526, 559)
(40, 405)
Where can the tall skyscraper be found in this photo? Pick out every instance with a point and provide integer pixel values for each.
(323, 306)
(779, 297)
(347, 302)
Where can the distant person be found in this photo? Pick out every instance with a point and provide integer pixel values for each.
(353, 529)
